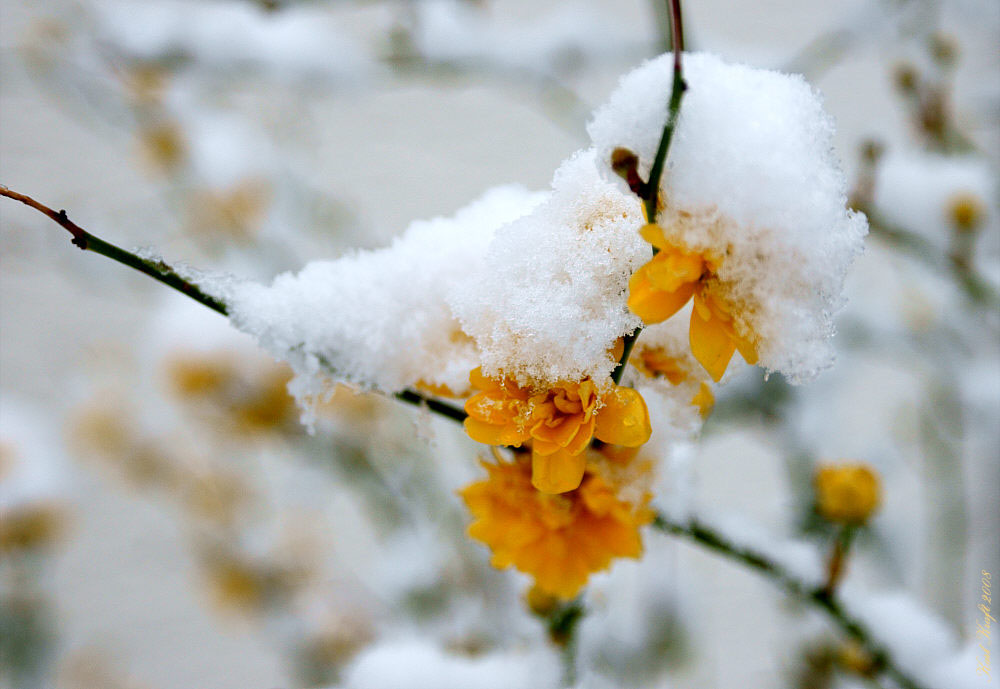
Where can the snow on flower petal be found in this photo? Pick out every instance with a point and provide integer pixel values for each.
(751, 181)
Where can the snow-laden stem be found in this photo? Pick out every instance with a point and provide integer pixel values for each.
(651, 189)
(820, 597)
(156, 269)
(162, 272)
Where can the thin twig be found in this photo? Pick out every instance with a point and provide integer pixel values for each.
(158, 270)
(827, 601)
(975, 287)
(651, 188)
(436, 406)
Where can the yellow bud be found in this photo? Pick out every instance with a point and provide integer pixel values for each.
(965, 211)
(847, 493)
(855, 659)
(906, 78)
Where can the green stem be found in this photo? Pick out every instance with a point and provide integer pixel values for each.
(975, 287)
(436, 406)
(838, 556)
(821, 598)
(677, 89)
(160, 271)
(651, 189)
(562, 624)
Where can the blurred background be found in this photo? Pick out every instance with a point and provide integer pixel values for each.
(166, 522)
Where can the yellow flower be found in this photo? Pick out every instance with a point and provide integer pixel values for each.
(847, 493)
(560, 423)
(558, 539)
(663, 286)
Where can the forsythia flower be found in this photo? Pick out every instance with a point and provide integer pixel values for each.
(672, 277)
(558, 539)
(559, 422)
(847, 493)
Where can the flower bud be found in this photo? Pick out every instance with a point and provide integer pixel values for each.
(847, 493)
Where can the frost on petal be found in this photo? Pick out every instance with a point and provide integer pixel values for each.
(751, 178)
(549, 301)
(379, 319)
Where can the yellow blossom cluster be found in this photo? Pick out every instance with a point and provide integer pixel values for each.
(559, 422)
(558, 539)
(674, 276)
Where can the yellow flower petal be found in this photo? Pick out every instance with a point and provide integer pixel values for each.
(490, 407)
(710, 343)
(624, 418)
(558, 539)
(557, 430)
(746, 348)
(558, 472)
(654, 235)
(654, 305)
(583, 436)
(481, 382)
(671, 269)
(493, 434)
(704, 400)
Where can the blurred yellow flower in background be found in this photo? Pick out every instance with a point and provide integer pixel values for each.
(560, 540)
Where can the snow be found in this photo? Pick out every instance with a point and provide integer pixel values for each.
(549, 301)
(920, 642)
(535, 286)
(379, 319)
(751, 177)
(299, 41)
(418, 664)
(456, 31)
(33, 470)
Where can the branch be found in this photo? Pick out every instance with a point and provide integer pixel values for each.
(436, 406)
(160, 271)
(700, 533)
(975, 287)
(651, 188)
